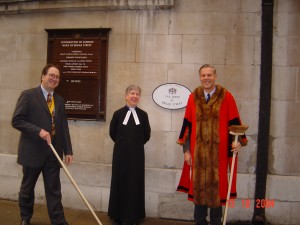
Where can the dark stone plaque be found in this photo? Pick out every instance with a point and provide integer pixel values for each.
(81, 55)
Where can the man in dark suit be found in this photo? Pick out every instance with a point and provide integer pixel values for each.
(41, 124)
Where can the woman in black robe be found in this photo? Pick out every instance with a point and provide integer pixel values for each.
(130, 130)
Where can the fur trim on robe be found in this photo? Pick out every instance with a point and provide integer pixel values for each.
(207, 127)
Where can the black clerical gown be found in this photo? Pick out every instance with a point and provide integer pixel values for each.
(127, 192)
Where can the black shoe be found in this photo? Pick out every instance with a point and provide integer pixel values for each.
(118, 222)
(25, 222)
(65, 223)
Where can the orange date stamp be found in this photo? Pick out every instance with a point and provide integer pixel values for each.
(259, 203)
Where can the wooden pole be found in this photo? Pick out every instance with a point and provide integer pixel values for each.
(234, 130)
(74, 184)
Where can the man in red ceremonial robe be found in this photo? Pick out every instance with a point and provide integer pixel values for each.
(208, 147)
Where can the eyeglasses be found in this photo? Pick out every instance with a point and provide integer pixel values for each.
(53, 76)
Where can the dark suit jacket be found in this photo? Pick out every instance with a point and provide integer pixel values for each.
(31, 115)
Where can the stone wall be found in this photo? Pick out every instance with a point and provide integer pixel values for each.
(151, 43)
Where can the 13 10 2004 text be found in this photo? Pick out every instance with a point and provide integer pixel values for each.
(259, 203)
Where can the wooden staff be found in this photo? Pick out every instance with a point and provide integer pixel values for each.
(235, 130)
(74, 183)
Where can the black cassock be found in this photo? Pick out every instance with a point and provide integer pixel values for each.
(127, 192)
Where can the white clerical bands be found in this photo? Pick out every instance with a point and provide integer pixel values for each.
(136, 119)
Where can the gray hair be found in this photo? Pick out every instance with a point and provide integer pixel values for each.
(208, 66)
(133, 87)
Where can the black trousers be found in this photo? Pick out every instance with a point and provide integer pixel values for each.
(51, 177)
(200, 214)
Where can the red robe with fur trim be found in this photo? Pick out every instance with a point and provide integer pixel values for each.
(207, 126)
